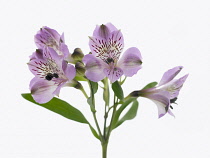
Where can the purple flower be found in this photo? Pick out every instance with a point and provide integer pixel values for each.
(166, 92)
(51, 74)
(47, 37)
(106, 45)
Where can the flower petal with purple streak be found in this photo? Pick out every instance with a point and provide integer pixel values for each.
(113, 74)
(42, 90)
(169, 75)
(94, 68)
(159, 97)
(48, 37)
(130, 62)
(174, 86)
(111, 46)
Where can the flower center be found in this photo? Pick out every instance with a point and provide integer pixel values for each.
(109, 60)
(50, 76)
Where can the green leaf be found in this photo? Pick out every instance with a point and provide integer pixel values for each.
(64, 109)
(120, 110)
(94, 86)
(94, 132)
(60, 107)
(118, 91)
(90, 101)
(130, 114)
(150, 85)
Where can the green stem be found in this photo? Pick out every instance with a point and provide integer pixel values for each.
(105, 120)
(85, 94)
(104, 150)
(106, 99)
(113, 115)
(94, 111)
(97, 125)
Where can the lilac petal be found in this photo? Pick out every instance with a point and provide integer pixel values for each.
(116, 43)
(113, 73)
(161, 108)
(57, 91)
(102, 31)
(42, 90)
(105, 48)
(107, 29)
(169, 75)
(94, 68)
(64, 50)
(38, 54)
(130, 62)
(47, 37)
(70, 72)
(174, 86)
(111, 27)
(53, 33)
(99, 47)
(64, 65)
(160, 98)
(37, 67)
(51, 54)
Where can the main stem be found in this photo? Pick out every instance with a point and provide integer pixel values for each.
(104, 150)
(107, 134)
(104, 137)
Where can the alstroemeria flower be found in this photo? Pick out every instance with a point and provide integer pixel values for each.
(51, 73)
(47, 37)
(106, 45)
(166, 92)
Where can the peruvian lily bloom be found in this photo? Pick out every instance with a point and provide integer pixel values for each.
(166, 92)
(106, 45)
(47, 37)
(51, 74)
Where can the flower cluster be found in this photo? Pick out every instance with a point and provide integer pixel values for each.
(49, 66)
(52, 66)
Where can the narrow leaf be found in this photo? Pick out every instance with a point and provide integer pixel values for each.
(120, 110)
(150, 85)
(60, 107)
(94, 86)
(94, 132)
(64, 109)
(90, 101)
(131, 113)
(118, 91)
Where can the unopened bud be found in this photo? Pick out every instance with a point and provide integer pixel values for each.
(75, 84)
(77, 55)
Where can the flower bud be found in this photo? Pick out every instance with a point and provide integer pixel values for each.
(75, 84)
(77, 54)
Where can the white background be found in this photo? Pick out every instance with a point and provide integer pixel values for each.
(168, 34)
